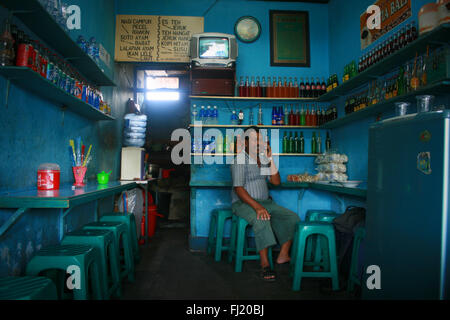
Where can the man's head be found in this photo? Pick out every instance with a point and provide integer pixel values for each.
(252, 136)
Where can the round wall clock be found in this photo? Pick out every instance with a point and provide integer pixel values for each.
(247, 29)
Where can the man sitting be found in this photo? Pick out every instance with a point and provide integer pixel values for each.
(251, 201)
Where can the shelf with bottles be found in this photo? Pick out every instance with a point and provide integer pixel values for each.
(289, 115)
(435, 38)
(254, 98)
(43, 25)
(32, 81)
(283, 88)
(438, 88)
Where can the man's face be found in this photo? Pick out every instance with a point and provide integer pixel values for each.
(254, 140)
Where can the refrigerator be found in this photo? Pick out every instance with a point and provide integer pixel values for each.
(407, 221)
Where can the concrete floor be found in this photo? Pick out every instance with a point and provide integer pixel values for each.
(169, 271)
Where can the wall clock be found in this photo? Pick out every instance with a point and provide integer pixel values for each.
(247, 29)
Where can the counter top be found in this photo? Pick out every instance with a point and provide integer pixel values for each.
(65, 197)
(336, 188)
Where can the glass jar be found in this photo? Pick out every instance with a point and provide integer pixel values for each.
(7, 54)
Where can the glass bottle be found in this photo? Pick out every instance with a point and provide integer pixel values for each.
(328, 142)
(302, 143)
(313, 143)
(241, 87)
(319, 143)
(291, 143)
(7, 54)
(263, 87)
(269, 89)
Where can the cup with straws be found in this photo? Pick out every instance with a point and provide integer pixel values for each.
(79, 160)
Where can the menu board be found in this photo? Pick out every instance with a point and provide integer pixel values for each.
(143, 38)
(393, 12)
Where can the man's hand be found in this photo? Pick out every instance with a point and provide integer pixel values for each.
(261, 213)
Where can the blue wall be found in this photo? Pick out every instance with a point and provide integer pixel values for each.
(34, 131)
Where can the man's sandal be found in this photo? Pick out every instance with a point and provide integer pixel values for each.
(267, 274)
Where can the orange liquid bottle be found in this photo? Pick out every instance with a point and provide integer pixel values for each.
(269, 87)
(279, 92)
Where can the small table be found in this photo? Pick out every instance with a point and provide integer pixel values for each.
(64, 199)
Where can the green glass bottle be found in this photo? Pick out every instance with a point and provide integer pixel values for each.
(328, 142)
(313, 143)
(296, 144)
(285, 143)
(302, 143)
(291, 143)
(302, 117)
(319, 144)
(225, 146)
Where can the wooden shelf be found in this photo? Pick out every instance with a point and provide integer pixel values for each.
(31, 81)
(41, 23)
(254, 98)
(441, 87)
(435, 38)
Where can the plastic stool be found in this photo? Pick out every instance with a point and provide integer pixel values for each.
(303, 231)
(61, 257)
(120, 231)
(238, 244)
(103, 240)
(130, 221)
(353, 278)
(27, 288)
(216, 228)
(312, 244)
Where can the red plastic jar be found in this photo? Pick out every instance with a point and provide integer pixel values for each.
(48, 176)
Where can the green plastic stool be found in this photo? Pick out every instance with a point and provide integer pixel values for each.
(121, 233)
(353, 278)
(216, 228)
(238, 244)
(303, 231)
(312, 244)
(27, 288)
(103, 240)
(61, 257)
(130, 221)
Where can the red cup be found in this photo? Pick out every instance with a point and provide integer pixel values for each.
(79, 173)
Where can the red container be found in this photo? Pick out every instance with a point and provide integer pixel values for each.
(48, 176)
(23, 54)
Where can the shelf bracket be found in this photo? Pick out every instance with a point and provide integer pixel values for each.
(341, 201)
(13, 219)
(301, 193)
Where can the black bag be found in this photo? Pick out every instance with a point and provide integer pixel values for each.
(344, 227)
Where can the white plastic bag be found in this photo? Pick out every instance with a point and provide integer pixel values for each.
(132, 201)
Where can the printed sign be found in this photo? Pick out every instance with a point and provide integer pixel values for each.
(393, 12)
(142, 38)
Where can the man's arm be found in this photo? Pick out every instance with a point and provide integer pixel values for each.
(261, 212)
(274, 173)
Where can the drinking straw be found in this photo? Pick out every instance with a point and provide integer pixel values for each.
(71, 156)
(78, 151)
(73, 150)
(87, 156)
(82, 153)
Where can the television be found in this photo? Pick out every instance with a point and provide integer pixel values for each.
(211, 49)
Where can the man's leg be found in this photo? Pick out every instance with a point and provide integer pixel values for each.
(283, 224)
(262, 229)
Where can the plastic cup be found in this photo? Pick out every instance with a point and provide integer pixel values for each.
(424, 103)
(401, 108)
(79, 173)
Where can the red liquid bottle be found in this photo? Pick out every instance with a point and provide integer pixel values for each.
(246, 88)
(275, 88)
(269, 87)
(253, 88)
(241, 87)
(291, 117)
(296, 93)
(279, 91)
(297, 117)
(258, 88)
(285, 89)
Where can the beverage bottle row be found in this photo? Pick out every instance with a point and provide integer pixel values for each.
(35, 56)
(394, 43)
(332, 82)
(296, 144)
(281, 88)
(306, 116)
(206, 115)
(226, 144)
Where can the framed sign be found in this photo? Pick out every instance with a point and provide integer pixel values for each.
(289, 39)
